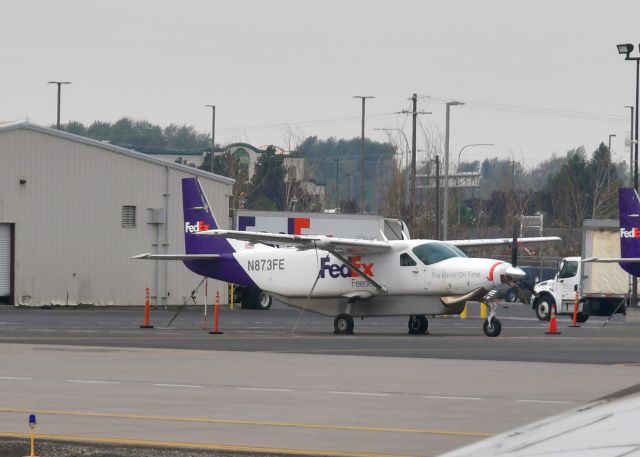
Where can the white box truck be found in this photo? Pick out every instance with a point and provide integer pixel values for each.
(358, 226)
(603, 288)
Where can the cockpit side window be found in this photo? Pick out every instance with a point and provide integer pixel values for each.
(406, 260)
(430, 253)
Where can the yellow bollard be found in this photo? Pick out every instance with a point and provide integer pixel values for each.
(483, 310)
(465, 312)
(32, 426)
(231, 298)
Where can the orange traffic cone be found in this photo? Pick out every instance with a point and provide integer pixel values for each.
(553, 324)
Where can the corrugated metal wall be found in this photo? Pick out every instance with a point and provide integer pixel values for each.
(69, 243)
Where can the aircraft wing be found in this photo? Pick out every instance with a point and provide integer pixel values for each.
(500, 241)
(343, 245)
(149, 256)
(612, 259)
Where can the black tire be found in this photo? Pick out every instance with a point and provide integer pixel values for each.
(511, 295)
(418, 324)
(543, 305)
(263, 301)
(492, 329)
(582, 318)
(343, 324)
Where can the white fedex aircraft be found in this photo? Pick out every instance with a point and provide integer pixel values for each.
(345, 278)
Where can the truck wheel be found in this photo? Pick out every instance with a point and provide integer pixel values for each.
(343, 324)
(582, 318)
(492, 329)
(543, 306)
(263, 300)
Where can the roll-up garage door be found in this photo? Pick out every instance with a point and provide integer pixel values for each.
(5, 260)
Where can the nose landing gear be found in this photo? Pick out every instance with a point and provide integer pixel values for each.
(492, 326)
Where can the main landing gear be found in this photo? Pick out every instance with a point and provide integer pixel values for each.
(418, 324)
(343, 324)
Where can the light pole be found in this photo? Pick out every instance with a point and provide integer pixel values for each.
(630, 146)
(458, 167)
(627, 49)
(363, 98)
(213, 133)
(59, 84)
(445, 218)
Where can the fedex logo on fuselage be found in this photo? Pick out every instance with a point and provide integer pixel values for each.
(341, 270)
(633, 233)
(199, 226)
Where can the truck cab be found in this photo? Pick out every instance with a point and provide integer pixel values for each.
(559, 291)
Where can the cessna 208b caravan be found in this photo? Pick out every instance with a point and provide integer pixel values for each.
(345, 278)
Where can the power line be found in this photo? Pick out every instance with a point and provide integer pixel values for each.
(536, 110)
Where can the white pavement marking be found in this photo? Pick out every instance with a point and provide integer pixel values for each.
(92, 381)
(15, 378)
(548, 401)
(370, 394)
(440, 397)
(265, 389)
(178, 385)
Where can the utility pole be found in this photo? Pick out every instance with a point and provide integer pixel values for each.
(363, 98)
(414, 113)
(630, 147)
(445, 219)
(213, 133)
(59, 83)
(437, 197)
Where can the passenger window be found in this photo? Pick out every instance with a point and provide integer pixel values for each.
(569, 270)
(406, 260)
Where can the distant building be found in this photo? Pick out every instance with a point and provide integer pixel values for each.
(74, 210)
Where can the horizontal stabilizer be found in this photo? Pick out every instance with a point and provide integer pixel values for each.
(148, 256)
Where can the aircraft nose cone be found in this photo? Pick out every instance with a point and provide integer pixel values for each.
(514, 274)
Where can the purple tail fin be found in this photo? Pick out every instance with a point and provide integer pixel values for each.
(629, 228)
(197, 218)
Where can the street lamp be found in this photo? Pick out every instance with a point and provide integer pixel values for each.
(445, 218)
(458, 168)
(59, 83)
(627, 49)
(363, 98)
(213, 133)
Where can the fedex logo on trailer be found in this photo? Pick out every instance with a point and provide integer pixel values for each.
(199, 226)
(633, 233)
(341, 270)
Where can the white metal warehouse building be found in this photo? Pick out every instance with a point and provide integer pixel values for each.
(74, 210)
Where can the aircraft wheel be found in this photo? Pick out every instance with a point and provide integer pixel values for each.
(418, 324)
(492, 329)
(343, 324)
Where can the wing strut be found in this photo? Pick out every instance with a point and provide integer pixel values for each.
(367, 278)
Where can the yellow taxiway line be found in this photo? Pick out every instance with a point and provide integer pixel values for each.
(248, 422)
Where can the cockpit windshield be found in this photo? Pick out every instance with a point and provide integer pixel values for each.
(430, 253)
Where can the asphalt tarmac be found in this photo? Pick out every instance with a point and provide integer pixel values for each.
(96, 379)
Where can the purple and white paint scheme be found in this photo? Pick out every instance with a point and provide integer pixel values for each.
(629, 204)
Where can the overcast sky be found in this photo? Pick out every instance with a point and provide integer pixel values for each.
(265, 64)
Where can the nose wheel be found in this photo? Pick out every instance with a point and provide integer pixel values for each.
(492, 326)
